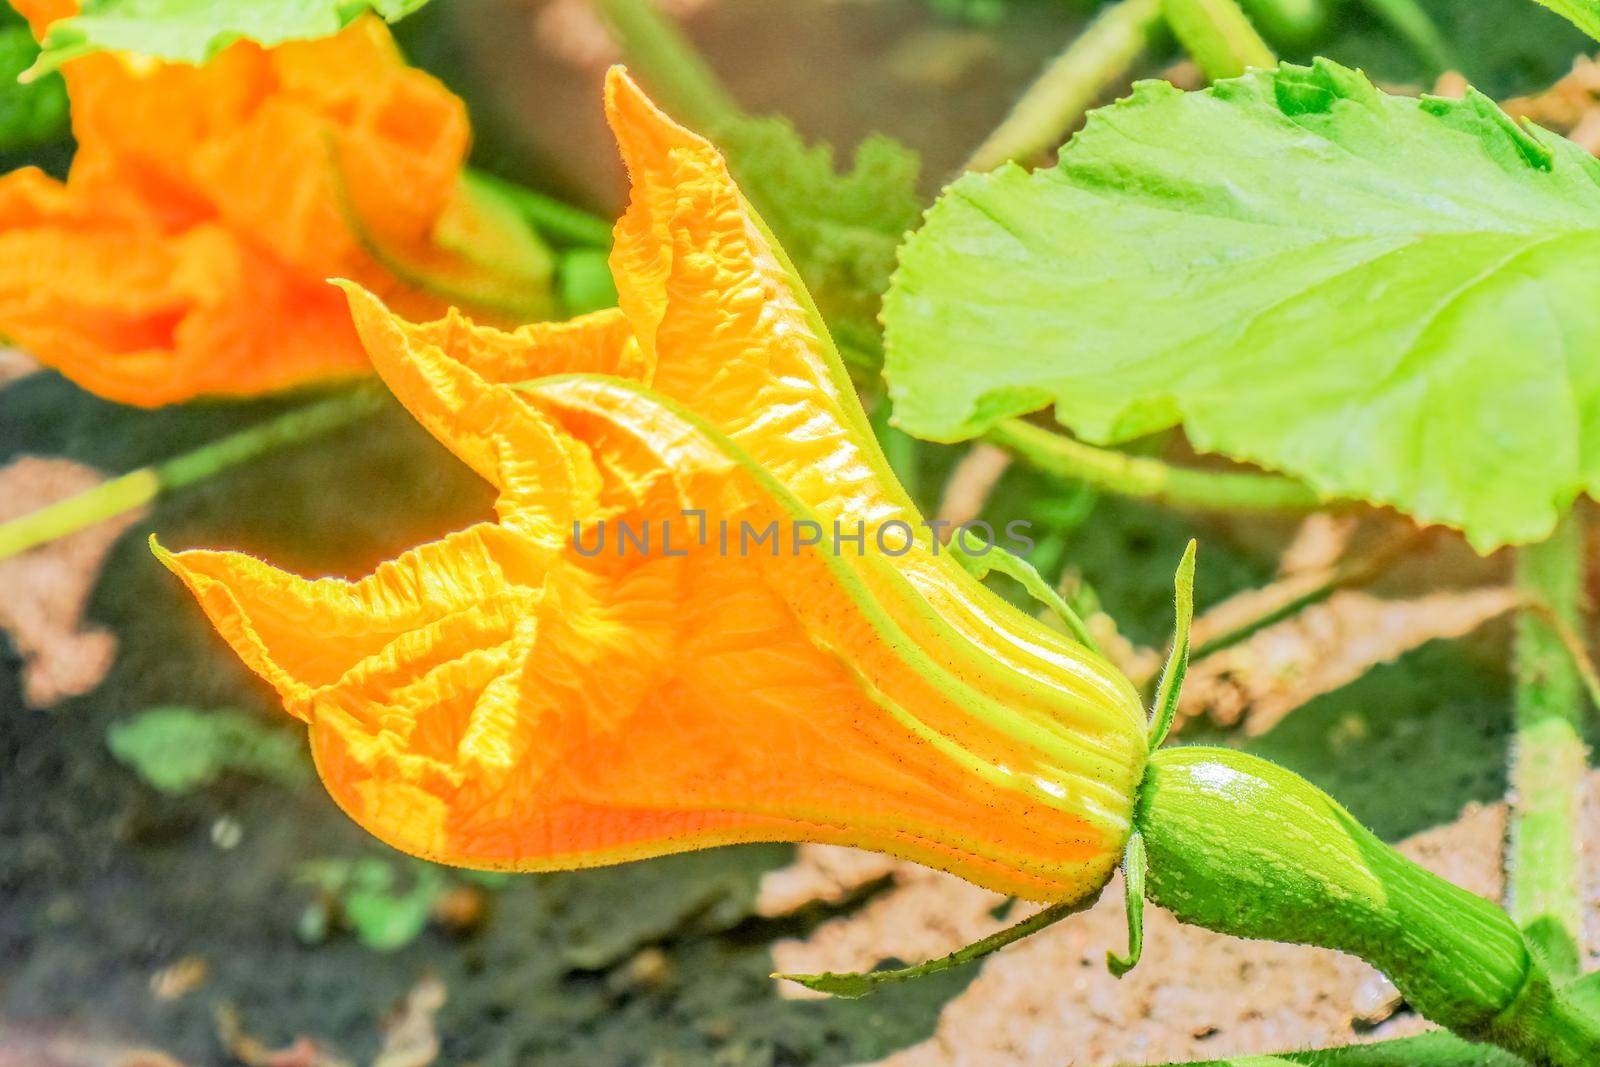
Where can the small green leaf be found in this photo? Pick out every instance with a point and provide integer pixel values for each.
(1171, 686)
(192, 31)
(1585, 14)
(1392, 299)
(178, 750)
(384, 914)
(385, 918)
(853, 985)
(850, 985)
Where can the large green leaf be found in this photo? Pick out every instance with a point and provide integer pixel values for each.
(1585, 14)
(1394, 299)
(192, 31)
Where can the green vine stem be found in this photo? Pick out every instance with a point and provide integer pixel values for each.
(1416, 27)
(1118, 472)
(1548, 758)
(1218, 36)
(683, 83)
(1293, 22)
(1103, 54)
(1244, 847)
(134, 490)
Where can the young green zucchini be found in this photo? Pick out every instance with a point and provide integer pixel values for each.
(1245, 847)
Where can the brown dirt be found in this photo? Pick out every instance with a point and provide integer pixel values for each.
(46, 587)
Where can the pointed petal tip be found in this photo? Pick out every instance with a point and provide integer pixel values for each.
(357, 295)
(623, 95)
(167, 559)
(638, 123)
(375, 325)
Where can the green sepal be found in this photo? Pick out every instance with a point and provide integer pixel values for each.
(1133, 866)
(1165, 709)
(996, 558)
(852, 985)
(485, 255)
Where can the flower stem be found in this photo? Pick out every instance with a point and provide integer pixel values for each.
(1138, 476)
(677, 75)
(1244, 847)
(1104, 53)
(1218, 36)
(134, 490)
(1548, 758)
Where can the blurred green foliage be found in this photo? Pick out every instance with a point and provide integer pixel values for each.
(33, 114)
(178, 750)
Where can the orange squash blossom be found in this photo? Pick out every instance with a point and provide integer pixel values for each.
(186, 253)
(499, 699)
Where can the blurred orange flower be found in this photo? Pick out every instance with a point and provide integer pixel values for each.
(513, 697)
(186, 253)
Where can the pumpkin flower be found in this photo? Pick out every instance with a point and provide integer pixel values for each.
(187, 250)
(525, 694)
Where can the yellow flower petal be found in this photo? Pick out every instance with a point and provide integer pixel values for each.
(523, 696)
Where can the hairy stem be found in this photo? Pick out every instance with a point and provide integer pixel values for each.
(676, 74)
(131, 491)
(1218, 36)
(1102, 55)
(1127, 475)
(1244, 847)
(1548, 757)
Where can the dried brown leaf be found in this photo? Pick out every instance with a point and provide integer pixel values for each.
(47, 588)
(409, 1036)
(253, 1052)
(1325, 647)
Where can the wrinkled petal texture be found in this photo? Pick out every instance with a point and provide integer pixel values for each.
(520, 696)
(187, 252)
